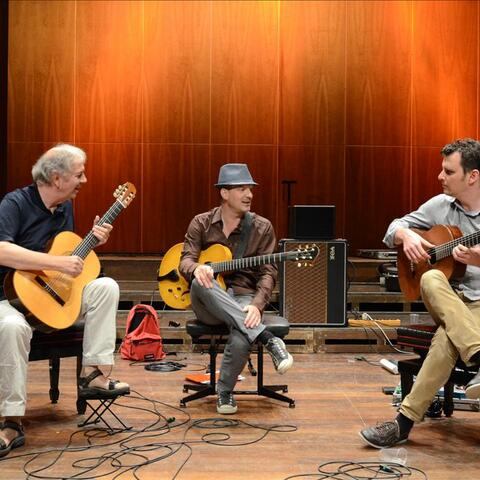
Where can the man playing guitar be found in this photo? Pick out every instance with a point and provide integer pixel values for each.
(29, 218)
(454, 305)
(248, 290)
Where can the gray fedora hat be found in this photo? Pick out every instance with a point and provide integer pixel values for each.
(234, 174)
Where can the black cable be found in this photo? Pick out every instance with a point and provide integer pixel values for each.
(129, 450)
(165, 366)
(345, 470)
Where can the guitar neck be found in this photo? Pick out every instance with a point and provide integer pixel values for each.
(248, 262)
(91, 241)
(445, 250)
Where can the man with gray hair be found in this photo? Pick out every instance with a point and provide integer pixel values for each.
(29, 218)
(249, 290)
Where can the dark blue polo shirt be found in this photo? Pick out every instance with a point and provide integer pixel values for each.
(26, 221)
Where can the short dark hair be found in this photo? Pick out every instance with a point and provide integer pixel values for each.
(469, 150)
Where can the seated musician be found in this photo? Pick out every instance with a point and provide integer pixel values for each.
(248, 291)
(29, 218)
(454, 305)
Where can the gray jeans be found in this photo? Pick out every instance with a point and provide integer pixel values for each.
(214, 306)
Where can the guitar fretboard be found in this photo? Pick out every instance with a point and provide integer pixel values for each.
(248, 262)
(90, 240)
(445, 250)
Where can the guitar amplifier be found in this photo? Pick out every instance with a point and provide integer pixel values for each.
(315, 295)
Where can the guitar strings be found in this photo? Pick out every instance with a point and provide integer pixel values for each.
(84, 247)
(445, 250)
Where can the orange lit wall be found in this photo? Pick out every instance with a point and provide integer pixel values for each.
(350, 99)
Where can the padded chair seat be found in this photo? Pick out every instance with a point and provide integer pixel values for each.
(279, 326)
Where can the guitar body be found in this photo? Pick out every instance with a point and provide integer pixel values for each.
(174, 289)
(409, 274)
(26, 290)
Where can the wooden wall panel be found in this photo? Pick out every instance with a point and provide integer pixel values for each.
(22, 157)
(176, 75)
(262, 164)
(176, 187)
(445, 75)
(426, 166)
(41, 71)
(312, 73)
(378, 190)
(110, 165)
(244, 73)
(108, 76)
(320, 174)
(379, 50)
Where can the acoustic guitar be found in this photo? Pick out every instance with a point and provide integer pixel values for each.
(445, 238)
(175, 290)
(51, 300)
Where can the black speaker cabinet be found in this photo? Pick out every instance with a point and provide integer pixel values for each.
(315, 294)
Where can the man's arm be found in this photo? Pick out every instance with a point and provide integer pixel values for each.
(20, 258)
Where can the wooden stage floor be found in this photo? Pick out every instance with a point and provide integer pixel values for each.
(335, 397)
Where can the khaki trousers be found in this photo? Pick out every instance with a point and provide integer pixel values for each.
(99, 309)
(458, 334)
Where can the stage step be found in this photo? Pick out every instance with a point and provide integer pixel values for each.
(299, 340)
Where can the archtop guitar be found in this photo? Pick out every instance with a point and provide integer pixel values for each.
(175, 290)
(445, 238)
(51, 300)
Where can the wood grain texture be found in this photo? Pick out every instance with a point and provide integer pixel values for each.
(176, 187)
(445, 72)
(426, 166)
(110, 165)
(379, 58)
(244, 76)
(108, 77)
(375, 195)
(312, 73)
(319, 173)
(333, 394)
(41, 64)
(176, 75)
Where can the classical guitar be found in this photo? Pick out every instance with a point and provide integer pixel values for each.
(51, 300)
(175, 290)
(445, 238)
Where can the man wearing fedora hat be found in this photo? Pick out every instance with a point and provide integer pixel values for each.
(246, 234)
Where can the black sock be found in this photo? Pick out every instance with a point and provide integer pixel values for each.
(475, 359)
(265, 336)
(404, 423)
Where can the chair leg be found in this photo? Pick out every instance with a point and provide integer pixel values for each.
(81, 402)
(202, 391)
(270, 391)
(54, 370)
(448, 399)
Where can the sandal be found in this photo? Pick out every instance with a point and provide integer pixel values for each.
(18, 441)
(114, 389)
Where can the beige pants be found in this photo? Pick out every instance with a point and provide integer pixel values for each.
(99, 308)
(458, 334)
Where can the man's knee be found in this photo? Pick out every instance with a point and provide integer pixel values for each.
(430, 281)
(105, 286)
(14, 328)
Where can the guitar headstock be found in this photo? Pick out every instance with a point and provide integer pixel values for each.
(125, 193)
(305, 256)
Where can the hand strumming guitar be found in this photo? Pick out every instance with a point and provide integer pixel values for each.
(414, 245)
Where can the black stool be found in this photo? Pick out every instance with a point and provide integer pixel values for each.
(419, 337)
(54, 346)
(279, 326)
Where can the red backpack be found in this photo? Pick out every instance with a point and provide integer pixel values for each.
(142, 338)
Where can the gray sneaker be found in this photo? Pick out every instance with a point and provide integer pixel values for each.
(226, 404)
(472, 390)
(282, 360)
(383, 435)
